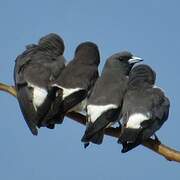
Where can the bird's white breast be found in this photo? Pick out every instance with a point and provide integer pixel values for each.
(136, 119)
(95, 111)
(39, 95)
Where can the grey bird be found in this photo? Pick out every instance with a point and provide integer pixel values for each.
(105, 101)
(76, 81)
(145, 108)
(34, 69)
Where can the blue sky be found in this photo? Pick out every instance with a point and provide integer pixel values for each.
(149, 29)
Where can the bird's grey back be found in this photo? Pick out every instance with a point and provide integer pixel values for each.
(77, 75)
(82, 71)
(109, 88)
(40, 57)
(144, 100)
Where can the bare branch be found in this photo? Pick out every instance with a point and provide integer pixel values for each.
(9, 89)
(163, 150)
(169, 153)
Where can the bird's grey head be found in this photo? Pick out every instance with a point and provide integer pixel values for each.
(123, 60)
(87, 53)
(142, 76)
(53, 42)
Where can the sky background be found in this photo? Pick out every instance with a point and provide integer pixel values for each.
(149, 29)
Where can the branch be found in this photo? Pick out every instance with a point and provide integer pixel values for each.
(9, 89)
(163, 150)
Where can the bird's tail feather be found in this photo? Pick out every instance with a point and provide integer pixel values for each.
(46, 108)
(129, 138)
(129, 134)
(27, 109)
(129, 146)
(95, 131)
(60, 107)
(53, 116)
(95, 138)
(98, 137)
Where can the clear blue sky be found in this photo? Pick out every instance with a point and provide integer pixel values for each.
(150, 29)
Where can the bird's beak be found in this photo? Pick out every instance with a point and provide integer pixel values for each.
(134, 60)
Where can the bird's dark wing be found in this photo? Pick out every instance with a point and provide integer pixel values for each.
(129, 134)
(53, 115)
(45, 108)
(19, 69)
(77, 75)
(60, 107)
(159, 113)
(95, 131)
(73, 99)
(129, 146)
(40, 75)
(96, 138)
(34, 75)
(24, 96)
(160, 110)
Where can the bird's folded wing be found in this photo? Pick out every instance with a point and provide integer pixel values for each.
(27, 108)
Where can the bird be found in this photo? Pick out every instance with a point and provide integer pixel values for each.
(76, 81)
(145, 108)
(34, 69)
(105, 101)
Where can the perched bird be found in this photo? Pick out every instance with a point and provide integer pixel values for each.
(76, 81)
(34, 69)
(105, 101)
(145, 108)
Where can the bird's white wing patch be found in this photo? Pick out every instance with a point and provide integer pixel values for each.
(94, 111)
(39, 95)
(136, 119)
(67, 91)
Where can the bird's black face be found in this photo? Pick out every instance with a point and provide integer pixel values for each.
(124, 56)
(127, 58)
(124, 61)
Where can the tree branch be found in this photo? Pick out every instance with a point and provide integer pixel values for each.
(9, 89)
(163, 150)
